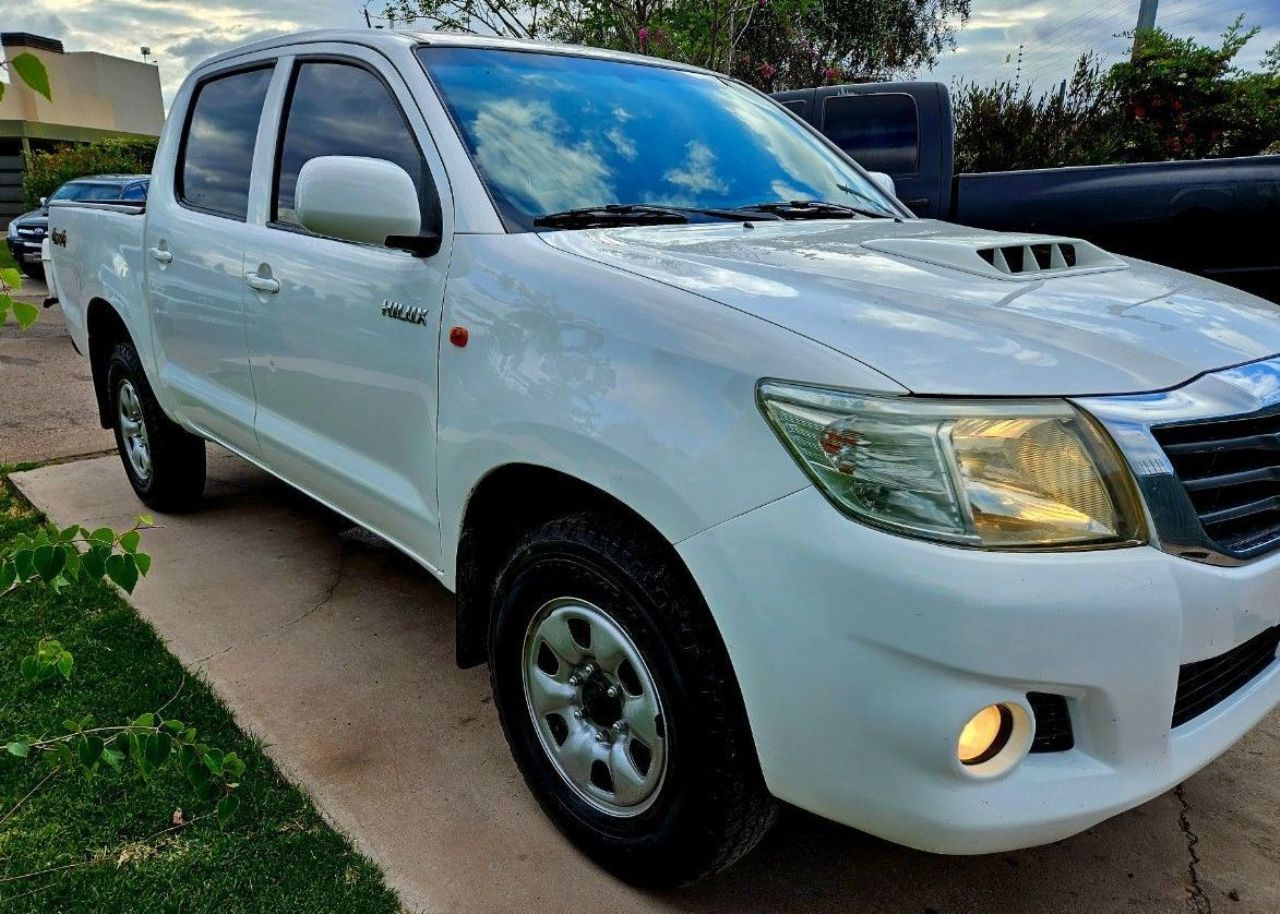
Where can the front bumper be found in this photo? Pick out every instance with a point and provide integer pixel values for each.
(24, 250)
(861, 654)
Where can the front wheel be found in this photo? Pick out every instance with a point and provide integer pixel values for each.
(616, 695)
(164, 462)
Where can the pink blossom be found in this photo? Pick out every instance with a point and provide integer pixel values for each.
(830, 73)
(644, 33)
(767, 70)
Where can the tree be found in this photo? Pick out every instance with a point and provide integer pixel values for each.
(772, 44)
(47, 171)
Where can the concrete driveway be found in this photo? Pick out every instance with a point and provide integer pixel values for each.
(47, 408)
(338, 653)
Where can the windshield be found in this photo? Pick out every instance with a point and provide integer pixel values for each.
(553, 132)
(85, 190)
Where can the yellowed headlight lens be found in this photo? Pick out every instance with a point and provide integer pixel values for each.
(984, 735)
(1036, 480)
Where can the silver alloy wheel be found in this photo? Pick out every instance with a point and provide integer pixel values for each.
(595, 706)
(133, 430)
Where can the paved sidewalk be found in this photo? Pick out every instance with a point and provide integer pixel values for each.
(47, 407)
(338, 654)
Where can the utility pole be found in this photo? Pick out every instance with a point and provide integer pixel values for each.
(1146, 22)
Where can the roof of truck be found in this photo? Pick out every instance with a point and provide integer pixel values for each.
(408, 37)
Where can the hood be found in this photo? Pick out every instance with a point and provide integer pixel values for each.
(948, 310)
(35, 218)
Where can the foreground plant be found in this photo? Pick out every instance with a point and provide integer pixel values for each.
(56, 559)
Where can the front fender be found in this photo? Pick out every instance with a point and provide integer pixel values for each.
(641, 390)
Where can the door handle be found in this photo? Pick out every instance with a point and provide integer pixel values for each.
(161, 255)
(262, 283)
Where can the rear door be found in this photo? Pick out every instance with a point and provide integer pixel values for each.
(346, 388)
(196, 227)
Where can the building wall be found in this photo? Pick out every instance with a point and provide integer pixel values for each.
(95, 96)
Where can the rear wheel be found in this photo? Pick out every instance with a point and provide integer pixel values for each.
(620, 706)
(164, 462)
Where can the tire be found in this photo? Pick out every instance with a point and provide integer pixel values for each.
(167, 471)
(617, 595)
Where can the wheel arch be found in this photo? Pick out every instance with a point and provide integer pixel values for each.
(505, 504)
(106, 329)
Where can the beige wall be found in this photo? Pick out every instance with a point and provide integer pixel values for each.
(90, 90)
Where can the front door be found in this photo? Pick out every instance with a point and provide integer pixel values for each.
(195, 242)
(346, 387)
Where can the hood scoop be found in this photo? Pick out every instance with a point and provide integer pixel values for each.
(1013, 258)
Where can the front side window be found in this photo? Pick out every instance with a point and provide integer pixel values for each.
(552, 132)
(879, 131)
(339, 109)
(217, 153)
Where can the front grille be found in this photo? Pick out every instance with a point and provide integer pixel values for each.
(1206, 683)
(1053, 723)
(1230, 469)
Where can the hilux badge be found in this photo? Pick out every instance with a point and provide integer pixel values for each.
(404, 312)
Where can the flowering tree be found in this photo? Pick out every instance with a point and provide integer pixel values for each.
(773, 44)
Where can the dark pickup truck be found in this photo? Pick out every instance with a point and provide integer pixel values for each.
(1216, 217)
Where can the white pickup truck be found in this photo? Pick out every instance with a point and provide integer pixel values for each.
(751, 485)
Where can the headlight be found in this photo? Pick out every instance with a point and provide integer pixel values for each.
(997, 474)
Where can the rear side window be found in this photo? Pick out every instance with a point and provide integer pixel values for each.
(217, 151)
(881, 132)
(797, 107)
(134, 192)
(339, 109)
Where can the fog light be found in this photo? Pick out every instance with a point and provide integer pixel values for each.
(986, 733)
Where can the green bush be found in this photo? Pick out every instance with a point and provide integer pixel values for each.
(1176, 99)
(47, 171)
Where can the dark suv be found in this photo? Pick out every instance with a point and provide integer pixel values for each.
(27, 231)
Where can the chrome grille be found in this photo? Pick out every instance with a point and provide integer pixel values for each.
(1230, 469)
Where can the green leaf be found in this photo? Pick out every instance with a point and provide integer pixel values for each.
(103, 535)
(25, 313)
(213, 761)
(112, 757)
(19, 747)
(30, 668)
(70, 562)
(227, 808)
(129, 540)
(11, 277)
(49, 561)
(30, 70)
(5, 301)
(89, 751)
(8, 574)
(69, 534)
(147, 520)
(174, 726)
(94, 563)
(232, 766)
(145, 720)
(65, 663)
(24, 563)
(123, 571)
(143, 561)
(158, 748)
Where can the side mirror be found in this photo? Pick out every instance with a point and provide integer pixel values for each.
(884, 182)
(44, 201)
(353, 198)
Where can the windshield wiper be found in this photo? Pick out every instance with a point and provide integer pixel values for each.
(641, 214)
(612, 214)
(814, 209)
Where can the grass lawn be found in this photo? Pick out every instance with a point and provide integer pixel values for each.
(107, 844)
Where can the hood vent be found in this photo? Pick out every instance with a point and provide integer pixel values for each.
(1015, 257)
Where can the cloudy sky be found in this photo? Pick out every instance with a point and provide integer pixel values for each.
(1051, 32)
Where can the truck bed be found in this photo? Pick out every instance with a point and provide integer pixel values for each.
(97, 246)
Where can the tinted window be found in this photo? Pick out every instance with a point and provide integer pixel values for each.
(797, 106)
(134, 192)
(340, 109)
(218, 149)
(879, 131)
(550, 132)
(83, 190)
